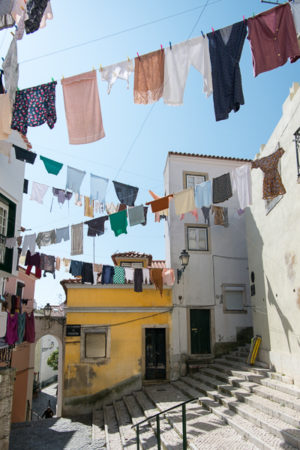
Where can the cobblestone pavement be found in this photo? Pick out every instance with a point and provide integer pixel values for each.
(40, 400)
(54, 434)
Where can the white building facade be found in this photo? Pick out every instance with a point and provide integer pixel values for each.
(11, 196)
(212, 299)
(274, 248)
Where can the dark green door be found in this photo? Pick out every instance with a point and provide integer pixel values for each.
(200, 331)
(155, 353)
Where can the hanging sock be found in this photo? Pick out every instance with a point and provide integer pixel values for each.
(118, 222)
(77, 239)
(11, 70)
(194, 213)
(275, 24)
(82, 108)
(121, 70)
(178, 60)
(149, 77)
(34, 107)
(52, 167)
(78, 199)
(126, 194)
(225, 48)
(111, 208)
(98, 188)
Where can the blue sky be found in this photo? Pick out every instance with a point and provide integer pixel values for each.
(128, 153)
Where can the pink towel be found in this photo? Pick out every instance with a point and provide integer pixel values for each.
(82, 106)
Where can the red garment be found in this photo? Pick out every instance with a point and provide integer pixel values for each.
(12, 329)
(273, 38)
(29, 328)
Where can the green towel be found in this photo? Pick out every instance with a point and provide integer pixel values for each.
(119, 275)
(118, 222)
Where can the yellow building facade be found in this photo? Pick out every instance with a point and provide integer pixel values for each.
(116, 339)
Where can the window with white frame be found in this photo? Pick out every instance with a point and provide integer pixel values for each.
(95, 344)
(197, 238)
(3, 229)
(191, 179)
(234, 297)
(133, 264)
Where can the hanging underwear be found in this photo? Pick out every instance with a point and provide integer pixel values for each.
(51, 166)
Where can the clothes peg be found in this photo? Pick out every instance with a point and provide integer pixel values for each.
(170, 44)
(16, 26)
(100, 68)
(203, 35)
(138, 55)
(161, 47)
(52, 79)
(12, 34)
(2, 58)
(244, 18)
(213, 30)
(62, 77)
(128, 59)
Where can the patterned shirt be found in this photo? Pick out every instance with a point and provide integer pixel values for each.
(272, 184)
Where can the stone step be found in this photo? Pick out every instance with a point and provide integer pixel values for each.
(282, 387)
(207, 430)
(243, 356)
(242, 366)
(98, 431)
(127, 433)
(255, 434)
(275, 395)
(280, 377)
(273, 425)
(147, 435)
(112, 435)
(169, 437)
(238, 371)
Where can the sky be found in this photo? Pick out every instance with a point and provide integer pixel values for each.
(83, 35)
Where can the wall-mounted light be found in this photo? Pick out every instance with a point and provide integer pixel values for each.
(184, 259)
(47, 310)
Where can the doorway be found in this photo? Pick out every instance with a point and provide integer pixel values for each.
(200, 331)
(155, 351)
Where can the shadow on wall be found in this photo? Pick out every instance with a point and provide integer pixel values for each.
(258, 301)
(286, 326)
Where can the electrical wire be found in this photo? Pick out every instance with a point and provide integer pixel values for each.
(119, 33)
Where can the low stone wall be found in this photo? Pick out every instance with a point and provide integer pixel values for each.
(7, 379)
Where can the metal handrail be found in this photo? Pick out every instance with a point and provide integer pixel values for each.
(184, 438)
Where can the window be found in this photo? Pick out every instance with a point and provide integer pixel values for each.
(19, 290)
(3, 229)
(191, 179)
(234, 296)
(95, 344)
(197, 238)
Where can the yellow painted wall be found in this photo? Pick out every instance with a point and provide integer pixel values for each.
(84, 379)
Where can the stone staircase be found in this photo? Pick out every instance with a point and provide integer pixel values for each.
(238, 407)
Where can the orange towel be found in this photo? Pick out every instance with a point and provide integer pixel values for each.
(82, 107)
(160, 204)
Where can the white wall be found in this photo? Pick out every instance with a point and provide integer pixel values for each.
(274, 251)
(48, 345)
(11, 185)
(226, 261)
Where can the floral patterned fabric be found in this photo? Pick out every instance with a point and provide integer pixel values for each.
(272, 184)
(34, 106)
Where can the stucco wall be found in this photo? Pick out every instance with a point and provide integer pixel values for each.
(225, 262)
(11, 186)
(87, 383)
(274, 251)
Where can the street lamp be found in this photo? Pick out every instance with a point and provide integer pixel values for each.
(47, 310)
(184, 259)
